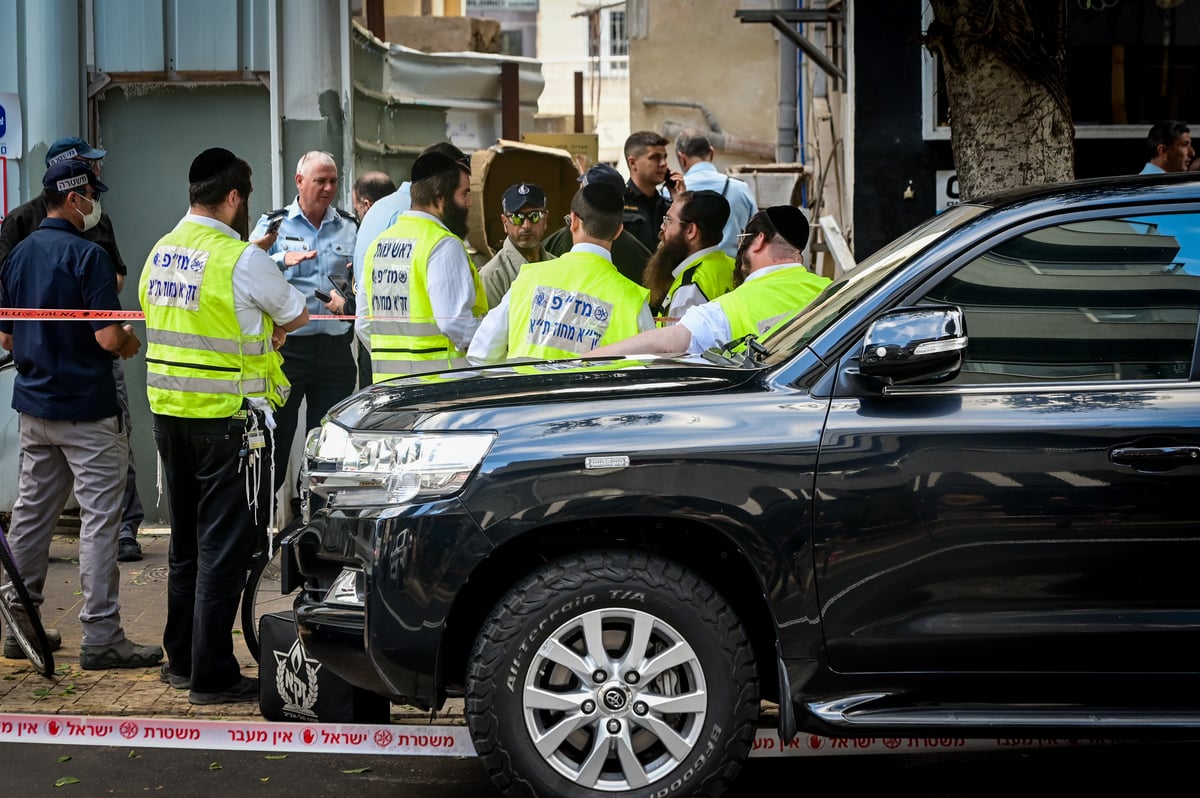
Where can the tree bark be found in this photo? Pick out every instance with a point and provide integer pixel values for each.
(1010, 118)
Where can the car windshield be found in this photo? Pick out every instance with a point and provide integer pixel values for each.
(790, 338)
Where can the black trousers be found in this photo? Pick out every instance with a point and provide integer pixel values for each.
(214, 533)
(321, 370)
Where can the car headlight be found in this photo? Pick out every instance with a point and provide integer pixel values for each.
(352, 468)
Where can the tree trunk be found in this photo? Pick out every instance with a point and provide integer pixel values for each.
(1010, 118)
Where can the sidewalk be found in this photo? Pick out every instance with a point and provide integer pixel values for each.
(137, 692)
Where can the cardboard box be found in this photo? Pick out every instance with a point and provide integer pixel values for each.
(505, 163)
(584, 147)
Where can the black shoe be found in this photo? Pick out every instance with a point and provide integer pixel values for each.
(128, 550)
(244, 689)
(13, 650)
(178, 682)
(125, 654)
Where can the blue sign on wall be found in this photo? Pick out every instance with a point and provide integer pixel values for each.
(10, 125)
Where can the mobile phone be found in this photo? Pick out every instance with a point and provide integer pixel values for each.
(341, 284)
(273, 226)
(321, 295)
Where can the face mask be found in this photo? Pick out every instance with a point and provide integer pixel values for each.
(92, 218)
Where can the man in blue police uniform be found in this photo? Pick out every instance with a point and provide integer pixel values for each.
(17, 226)
(72, 433)
(315, 240)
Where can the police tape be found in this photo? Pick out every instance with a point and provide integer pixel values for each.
(418, 740)
(61, 314)
(67, 314)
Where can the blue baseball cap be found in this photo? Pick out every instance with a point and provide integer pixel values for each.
(71, 175)
(71, 148)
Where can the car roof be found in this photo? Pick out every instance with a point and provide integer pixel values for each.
(1181, 186)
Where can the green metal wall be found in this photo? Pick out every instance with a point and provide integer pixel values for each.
(152, 133)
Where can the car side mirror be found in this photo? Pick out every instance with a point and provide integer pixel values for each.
(915, 344)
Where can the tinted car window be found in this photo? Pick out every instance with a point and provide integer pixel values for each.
(791, 337)
(1107, 299)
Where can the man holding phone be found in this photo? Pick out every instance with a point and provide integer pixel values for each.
(314, 242)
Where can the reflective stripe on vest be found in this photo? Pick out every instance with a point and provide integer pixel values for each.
(405, 337)
(713, 274)
(199, 364)
(565, 308)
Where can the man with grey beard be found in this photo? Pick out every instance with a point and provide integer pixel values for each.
(424, 298)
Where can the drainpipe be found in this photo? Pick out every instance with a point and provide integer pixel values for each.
(785, 143)
(350, 168)
(274, 25)
(726, 142)
(52, 88)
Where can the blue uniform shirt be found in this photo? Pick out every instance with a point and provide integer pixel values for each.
(334, 243)
(703, 176)
(63, 374)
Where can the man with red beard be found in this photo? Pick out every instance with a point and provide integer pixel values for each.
(424, 298)
(689, 268)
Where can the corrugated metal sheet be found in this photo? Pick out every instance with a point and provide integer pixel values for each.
(182, 35)
(129, 36)
(405, 99)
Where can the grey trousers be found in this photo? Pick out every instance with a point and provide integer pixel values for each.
(91, 456)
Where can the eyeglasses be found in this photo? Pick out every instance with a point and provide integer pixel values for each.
(518, 219)
(94, 164)
(567, 220)
(765, 221)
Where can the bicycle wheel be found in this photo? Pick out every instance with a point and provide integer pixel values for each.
(263, 595)
(25, 623)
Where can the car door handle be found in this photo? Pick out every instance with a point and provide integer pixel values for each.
(1156, 458)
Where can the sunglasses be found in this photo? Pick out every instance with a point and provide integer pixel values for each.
(518, 219)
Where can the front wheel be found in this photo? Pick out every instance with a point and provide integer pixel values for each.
(21, 618)
(612, 674)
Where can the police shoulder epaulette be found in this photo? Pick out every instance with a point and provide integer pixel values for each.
(275, 213)
(347, 215)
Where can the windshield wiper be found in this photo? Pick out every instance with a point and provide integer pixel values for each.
(732, 352)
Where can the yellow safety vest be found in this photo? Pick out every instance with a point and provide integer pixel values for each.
(405, 337)
(565, 308)
(760, 304)
(199, 363)
(713, 273)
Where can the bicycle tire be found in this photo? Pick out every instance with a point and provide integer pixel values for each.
(28, 631)
(261, 596)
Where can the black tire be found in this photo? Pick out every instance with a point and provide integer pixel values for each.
(26, 628)
(516, 691)
(262, 595)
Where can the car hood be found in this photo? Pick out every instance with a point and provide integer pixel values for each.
(405, 402)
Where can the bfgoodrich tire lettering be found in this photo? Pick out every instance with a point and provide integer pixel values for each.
(612, 674)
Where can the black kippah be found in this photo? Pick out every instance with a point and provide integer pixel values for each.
(790, 223)
(210, 163)
(433, 163)
(603, 197)
(710, 207)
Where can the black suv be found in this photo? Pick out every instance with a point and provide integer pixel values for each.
(952, 497)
